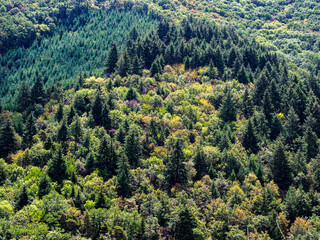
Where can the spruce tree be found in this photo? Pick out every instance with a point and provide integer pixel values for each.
(24, 97)
(62, 135)
(311, 140)
(21, 199)
(228, 111)
(106, 120)
(275, 127)
(123, 184)
(96, 109)
(247, 104)
(186, 224)
(124, 64)
(59, 113)
(250, 139)
(57, 168)
(71, 115)
(260, 86)
(37, 92)
(112, 60)
(132, 146)
(280, 168)
(176, 171)
(29, 131)
(199, 162)
(8, 143)
(44, 186)
(267, 106)
(77, 130)
(292, 126)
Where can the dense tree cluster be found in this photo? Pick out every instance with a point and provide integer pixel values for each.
(187, 131)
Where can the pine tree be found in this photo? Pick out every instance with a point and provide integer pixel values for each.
(8, 143)
(247, 104)
(57, 168)
(62, 135)
(267, 106)
(106, 120)
(29, 131)
(24, 97)
(101, 201)
(312, 148)
(214, 190)
(228, 111)
(250, 139)
(21, 199)
(280, 168)
(132, 146)
(77, 130)
(123, 184)
(292, 126)
(199, 162)
(176, 170)
(131, 94)
(276, 127)
(37, 92)
(124, 64)
(112, 60)
(96, 109)
(44, 186)
(59, 113)
(187, 222)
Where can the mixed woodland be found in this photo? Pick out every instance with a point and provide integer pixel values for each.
(159, 120)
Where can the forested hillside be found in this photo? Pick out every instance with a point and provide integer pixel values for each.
(156, 120)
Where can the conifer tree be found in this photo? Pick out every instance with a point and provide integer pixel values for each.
(199, 162)
(186, 224)
(96, 109)
(59, 113)
(112, 60)
(44, 186)
(137, 65)
(123, 184)
(312, 148)
(8, 143)
(106, 120)
(260, 86)
(267, 106)
(24, 97)
(228, 111)
(100, 201)
(132, 146)
(29, 131)
(131, 94)
(280, 168)
(275, 127)
(90, 162)
(247, 104)
(57, 168)
(48, 143)
(292, 126)
(250, 139)
(124, 64)
(242, 75)
(71, 115)
(37, 92)
(62, 135)
(212, 70)
(219, 61)
(77, 130)
(214, 190)
(176, 171)
(21, 199)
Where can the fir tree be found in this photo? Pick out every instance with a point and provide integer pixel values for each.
(250, 139)
(131, 94)
(57, 168)
(124, 64)
(292, 126)
(62, 135)
(132, 146)
(199, 162)
(24, 97)
(247, 104)
(21, 199)
(29, 131)
(312, 148)
(90, 163)
(280, 168)
(59, 113)
(214, 190)
(187, 222)
(37, 92)
(227, 111)
(276, 127)
(106, 120)
(176, 170)
(44, 186)
(260, 86)
(123, 184)
(8, 143)
(71, 115)
(112, 60)
(96, 109)
(77, 130)
(101, 201)
(267, 106)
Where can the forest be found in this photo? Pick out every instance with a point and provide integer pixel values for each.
(159, 120)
